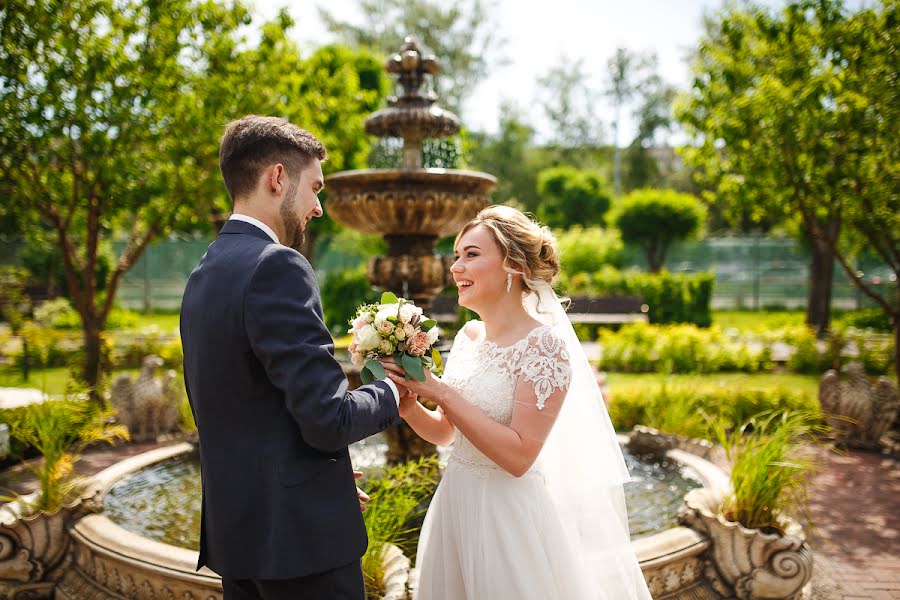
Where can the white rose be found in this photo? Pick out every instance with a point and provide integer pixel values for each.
(433, 334)
(409, 330)
(408, 311)
(368, 338)
(369, 317)
(385, 327)
(400, 334)
(386, 347)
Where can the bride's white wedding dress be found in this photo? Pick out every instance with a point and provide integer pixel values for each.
(491, 536)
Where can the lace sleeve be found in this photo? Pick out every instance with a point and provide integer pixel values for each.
(541, 386)
(546, 366)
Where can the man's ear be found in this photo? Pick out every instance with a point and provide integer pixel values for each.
(276, 178)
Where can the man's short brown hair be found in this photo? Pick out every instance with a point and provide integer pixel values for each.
(254, 142)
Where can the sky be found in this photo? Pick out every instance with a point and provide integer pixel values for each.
(539, 34)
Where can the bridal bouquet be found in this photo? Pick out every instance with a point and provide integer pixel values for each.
(395, 327)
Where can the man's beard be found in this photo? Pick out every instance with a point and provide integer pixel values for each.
(293, 227)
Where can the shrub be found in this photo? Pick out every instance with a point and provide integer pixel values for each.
(59, 314)
(571, 196)
(588, 249)
(868, 318)
(653, 219)
(342, 293)
(42, 346)
(643, 348)
(769, 471)
(59, 430)
(671, 298)
(678, 408)
(397, 504)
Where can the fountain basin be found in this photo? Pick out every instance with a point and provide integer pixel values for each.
(422, 202)
(112, 562)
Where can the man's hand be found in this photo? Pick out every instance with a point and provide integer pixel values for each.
(363, 498)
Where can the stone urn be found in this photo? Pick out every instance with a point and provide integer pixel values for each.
(34, 548)
(748, 564)
(396, 573)
(859, 412)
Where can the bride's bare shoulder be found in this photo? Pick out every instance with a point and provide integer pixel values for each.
(474, 329)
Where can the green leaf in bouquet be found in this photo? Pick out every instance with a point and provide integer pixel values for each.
(365, 375)
(375, 368)
(389, 298)
(413, 367)
(426, 325)
(438, 361)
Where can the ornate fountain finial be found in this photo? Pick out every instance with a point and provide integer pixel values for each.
(412, 116)
(411, 66)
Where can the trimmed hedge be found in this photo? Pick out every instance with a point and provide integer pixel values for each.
(671, 298)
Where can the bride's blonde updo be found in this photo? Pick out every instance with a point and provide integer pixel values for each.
(523, 242)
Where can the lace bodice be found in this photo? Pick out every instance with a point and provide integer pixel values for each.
(487, 375)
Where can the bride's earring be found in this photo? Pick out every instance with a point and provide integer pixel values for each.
(508, 282)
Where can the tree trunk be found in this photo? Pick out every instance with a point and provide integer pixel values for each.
(821, 277)
(92, 369)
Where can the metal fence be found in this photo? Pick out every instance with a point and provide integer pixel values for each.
(751, 272)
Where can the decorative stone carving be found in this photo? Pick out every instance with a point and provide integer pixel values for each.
(647, 441)
(748, 564)
(34, 548)
(859, 412)
(149, 405)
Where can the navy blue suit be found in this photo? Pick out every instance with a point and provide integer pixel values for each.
(273, 412)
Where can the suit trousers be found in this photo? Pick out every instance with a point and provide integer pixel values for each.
(343, 583)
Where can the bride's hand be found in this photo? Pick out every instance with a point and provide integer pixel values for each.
(431, 388)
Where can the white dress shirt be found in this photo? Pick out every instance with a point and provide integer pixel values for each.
(268, 231)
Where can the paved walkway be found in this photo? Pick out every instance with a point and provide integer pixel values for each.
(855, 504)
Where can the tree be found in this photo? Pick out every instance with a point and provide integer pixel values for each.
(654, 116)
(15, 305)
(509, 156)
(568, 104)
(462, 35)
(793, 115)
(653, 219)
(624, 71)
(570, 197)
(110, 115)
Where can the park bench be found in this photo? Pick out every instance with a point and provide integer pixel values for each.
(583, 309)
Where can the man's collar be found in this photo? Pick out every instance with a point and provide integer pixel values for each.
(257, 223)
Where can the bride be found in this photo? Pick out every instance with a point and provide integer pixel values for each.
(530, 505)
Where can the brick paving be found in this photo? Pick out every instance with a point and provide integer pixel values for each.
(855, 505)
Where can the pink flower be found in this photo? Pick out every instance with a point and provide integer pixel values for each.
(358, 322)
(417, 343)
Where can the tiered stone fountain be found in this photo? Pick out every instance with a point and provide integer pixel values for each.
(411, 206)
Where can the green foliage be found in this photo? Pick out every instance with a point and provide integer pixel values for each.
(60, 430)
(42, 346)
(570, 197)
(588, 249)
(342, 293)
(639, 347)
(59, 314)
(653, 219)
(397, 504)
(462, 36)
(671, 298)
(769, 467)
(795, 116)
(679, 408)
(867, 318)
(111, 113)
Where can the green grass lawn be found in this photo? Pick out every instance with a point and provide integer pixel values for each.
(808, 384)
(746, 320)
(165, 322)
(50, 381)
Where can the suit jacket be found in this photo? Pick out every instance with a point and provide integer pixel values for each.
(273, 412)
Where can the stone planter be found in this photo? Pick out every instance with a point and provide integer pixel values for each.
(746, 563)
(396, 573)
(35, 548)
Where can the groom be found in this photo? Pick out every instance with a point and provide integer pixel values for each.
(281, 516)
